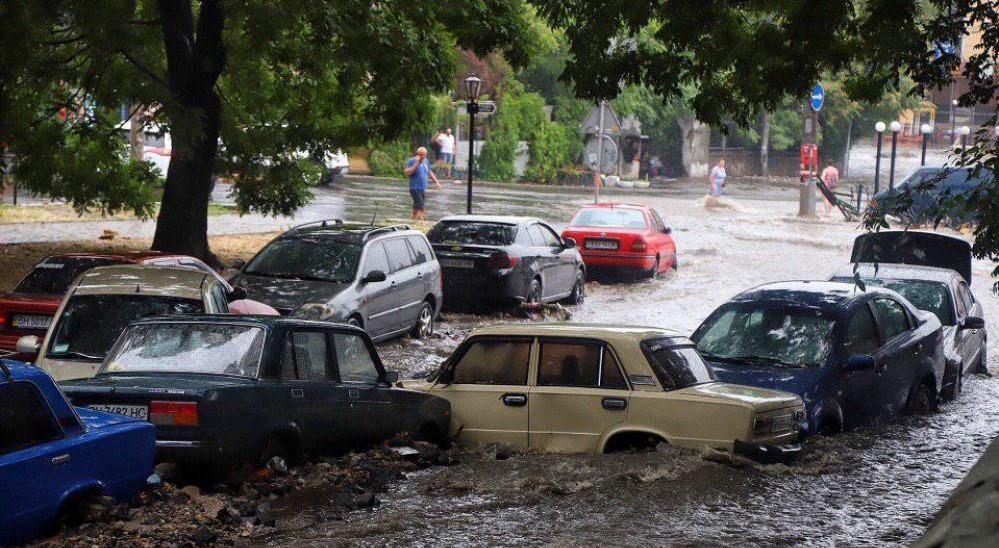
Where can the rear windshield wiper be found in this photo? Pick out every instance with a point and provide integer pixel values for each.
(73, 354)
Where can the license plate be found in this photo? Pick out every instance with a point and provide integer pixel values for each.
(140, 412)
(457, 263)
(601, 244)
(27, 321)
(781, 424)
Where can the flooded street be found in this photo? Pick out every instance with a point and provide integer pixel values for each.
(876, 486)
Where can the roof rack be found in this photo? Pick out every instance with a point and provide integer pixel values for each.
(385, 229)
(323, 223)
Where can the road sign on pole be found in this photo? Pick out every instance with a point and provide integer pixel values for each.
(487, 107)
(818, 97)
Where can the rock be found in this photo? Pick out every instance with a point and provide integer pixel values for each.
(154, 480)
(503, 452)
(167, 471)
(203, 535)
(212, 506)
(192, 491)
(107, 235)
(365, 500)
(277, 466)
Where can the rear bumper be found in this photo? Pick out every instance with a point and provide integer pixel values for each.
(197, 451)
(614, 259)
(469, 288)
(768, 453)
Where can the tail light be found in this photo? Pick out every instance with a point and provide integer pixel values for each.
(173, 413)
(638, 245)
(3, 319)
(501, 260)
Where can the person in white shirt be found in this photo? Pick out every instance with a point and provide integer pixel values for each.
(718, 177)
(446, 141)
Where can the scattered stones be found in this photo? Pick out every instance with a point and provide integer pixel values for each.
(193, 492)
(167, 471)
(278, 466)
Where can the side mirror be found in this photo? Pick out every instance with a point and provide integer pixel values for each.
(667, 230)
(28, 344)
(860, 362)
(391, 377)
(568, 242)
(238, 264)
(374, 276)
(236, 294)
(973, 322)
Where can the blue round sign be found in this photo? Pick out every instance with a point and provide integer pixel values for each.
(818, 97)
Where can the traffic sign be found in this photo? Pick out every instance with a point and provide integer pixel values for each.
(818, 97)
(487, 107)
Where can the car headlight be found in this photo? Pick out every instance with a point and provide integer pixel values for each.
(778, 422)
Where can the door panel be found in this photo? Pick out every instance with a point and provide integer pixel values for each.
(315, 402)
(547, 260)
(381, 297)
(372, 418)
(407, 281)
(861, 389)
(900, 355)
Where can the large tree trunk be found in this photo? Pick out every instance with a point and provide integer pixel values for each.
(194, 63)
(765, 145)
(694, 150)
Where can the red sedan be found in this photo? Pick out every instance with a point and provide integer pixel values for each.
(623, 236)
(29, 308)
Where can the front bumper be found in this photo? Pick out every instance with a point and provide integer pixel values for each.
(768, 453)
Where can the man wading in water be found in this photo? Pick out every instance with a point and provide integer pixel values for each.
(418, 169)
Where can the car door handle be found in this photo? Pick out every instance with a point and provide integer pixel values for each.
(880, 368)
(614, 404)
(297, 393)
(515, 400)
(60, 459)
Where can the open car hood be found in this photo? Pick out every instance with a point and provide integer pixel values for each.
(914, 248)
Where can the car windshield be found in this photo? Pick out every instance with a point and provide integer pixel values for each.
(762, 335)
(90, 324)
(676, 366)
(472, 233)
(53, 275)
(930, 296)
(317, 259)
(621, 217)
(215, 349)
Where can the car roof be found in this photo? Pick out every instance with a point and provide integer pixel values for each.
(124, 256)
(498, 219)
(825, 295)
(255, 319)
(624, 333)
(894, 271)
(21, 371)
(615, 204)
(143, 279)
(344, 231)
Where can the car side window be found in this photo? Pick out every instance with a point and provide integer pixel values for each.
(551, 239)
(861, 333)
(399, 256)
(576, 364)
(964, 294)
(657, 222)
(375, 259)
(891, 318)
(221, 304)
(306, 357)
(421, 249)
(25, 418)
(537, 238)
(354, 359)
(494, 362)
(962, 306)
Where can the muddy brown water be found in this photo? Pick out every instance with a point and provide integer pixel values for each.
(876, 486)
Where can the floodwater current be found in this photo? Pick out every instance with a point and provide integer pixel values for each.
(876, 486)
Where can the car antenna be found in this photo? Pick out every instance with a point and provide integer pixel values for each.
(373, 215)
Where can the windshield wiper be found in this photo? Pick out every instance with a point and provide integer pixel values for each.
(73, 354)
(765, 359)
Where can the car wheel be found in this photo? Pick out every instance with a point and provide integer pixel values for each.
(533, 293)
(275, 448)
(674, 265)
(354, 321)
(654, 273)
(983, 362)
(953, 389)
(920, 401)
(424, 322)
(578, 294)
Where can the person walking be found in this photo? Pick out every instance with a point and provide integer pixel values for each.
(446, 141)
(418, 170)
(830, 176)
(717, 178)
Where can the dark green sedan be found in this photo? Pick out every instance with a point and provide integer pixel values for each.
(225, 389)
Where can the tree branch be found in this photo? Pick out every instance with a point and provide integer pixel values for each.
(149, 74)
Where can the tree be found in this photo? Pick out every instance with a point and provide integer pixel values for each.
(245, 89)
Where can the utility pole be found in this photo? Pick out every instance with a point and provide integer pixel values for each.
(598, 178)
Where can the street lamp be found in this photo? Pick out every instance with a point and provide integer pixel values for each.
(964, 131)
(473, 85)
(925, 129)
(880, 128)
(895, 128)
(953, 117)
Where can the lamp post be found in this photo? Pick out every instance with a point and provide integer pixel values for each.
(895, 128)
(473, 85)
(880, 128)
(925, 129)
(964, 131)
(953, 118)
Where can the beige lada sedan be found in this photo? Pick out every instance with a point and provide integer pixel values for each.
(577, 388)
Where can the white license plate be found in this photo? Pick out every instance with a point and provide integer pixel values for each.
(781, 424)
(27, 321)
(601, 244)
(457, 263)
(140, 412)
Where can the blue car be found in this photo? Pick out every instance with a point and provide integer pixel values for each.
(54, 456)
(853, 356)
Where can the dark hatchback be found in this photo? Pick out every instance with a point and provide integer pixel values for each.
(853, 356)
(221, 390)
(926, 186)
(506, 260)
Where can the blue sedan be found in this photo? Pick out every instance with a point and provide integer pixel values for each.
(54, 456)
(853, 356)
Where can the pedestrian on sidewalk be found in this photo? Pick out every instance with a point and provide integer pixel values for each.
(418, 170)
(446, 141)
(830, 176)
(717, 178)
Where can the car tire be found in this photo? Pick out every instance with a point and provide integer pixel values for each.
(355, 321)
(920, 400)
(674, 266)
(424, 326)
(534, 294)
(951, 392)
(578, 294)
(983, 362)
(653, 274)
(275, 448)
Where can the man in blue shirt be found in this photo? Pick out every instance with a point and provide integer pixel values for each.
(418, 169)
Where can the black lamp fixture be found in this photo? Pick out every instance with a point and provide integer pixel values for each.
(473, 86)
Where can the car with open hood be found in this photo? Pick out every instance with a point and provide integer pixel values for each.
(932, 271)
(225, 389)
(578, 388)
(55, 459)
(853, 356)
(383, 279)
(103, 300)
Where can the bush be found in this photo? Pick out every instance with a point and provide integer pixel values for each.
(551, 149)
(389, 159)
